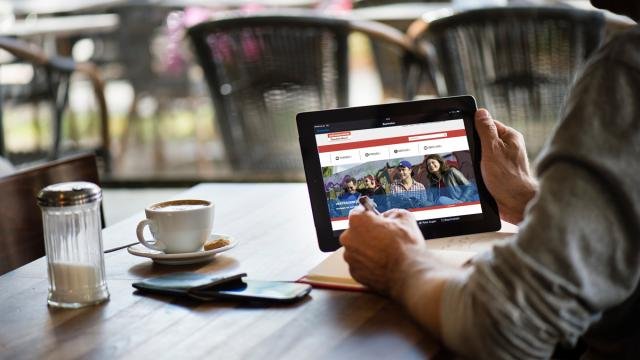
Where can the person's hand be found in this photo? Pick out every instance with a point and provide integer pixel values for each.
(378, 248)
(505, 166)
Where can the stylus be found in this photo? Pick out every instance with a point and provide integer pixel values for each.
(368, 204)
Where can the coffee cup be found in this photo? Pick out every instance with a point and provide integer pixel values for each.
(177, 226)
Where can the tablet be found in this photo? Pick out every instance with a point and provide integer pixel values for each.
(422, 156)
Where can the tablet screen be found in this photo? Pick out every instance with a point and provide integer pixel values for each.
(422, 156)
(424, 168)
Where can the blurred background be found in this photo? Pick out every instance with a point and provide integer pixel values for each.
(170, 93)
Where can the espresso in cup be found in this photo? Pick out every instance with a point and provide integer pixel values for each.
(177, 226)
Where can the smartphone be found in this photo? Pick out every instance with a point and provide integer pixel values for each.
(254, 290)
(234, 287)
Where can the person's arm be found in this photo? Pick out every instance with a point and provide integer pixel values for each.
(505, 167)
(528, 295)
(571, 260)
(575, 256)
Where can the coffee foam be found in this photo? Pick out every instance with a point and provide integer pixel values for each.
(180, 205)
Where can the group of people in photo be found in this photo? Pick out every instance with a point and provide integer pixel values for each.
(433, 181)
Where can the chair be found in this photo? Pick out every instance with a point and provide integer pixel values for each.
(21, 234)
(142, 28)
(517, 61)
(263, 69)
(51, 83)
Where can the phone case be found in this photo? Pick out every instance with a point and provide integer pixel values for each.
(206, 288)
(181, 283)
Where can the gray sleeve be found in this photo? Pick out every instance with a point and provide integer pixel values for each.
(571, 260)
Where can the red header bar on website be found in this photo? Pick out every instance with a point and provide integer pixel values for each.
(349, 136)
(391, 141)
(358, 146)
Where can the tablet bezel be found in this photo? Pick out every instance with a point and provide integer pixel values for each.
(435, 108)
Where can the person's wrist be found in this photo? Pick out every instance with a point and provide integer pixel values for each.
(420, 288)
(410, 271)
(401, 268)
(513, 210)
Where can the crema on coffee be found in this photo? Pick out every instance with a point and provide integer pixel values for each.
(180, 205)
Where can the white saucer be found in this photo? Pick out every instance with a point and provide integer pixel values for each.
(183, 258)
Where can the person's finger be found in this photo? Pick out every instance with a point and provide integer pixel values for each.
(506, 133)
(356, 274)
(345, 238)
(389, 213)
(501, 128)
(357, 209)
(486, 127)
(399, 214)
(354, 216)
(394, 215)
(346, 255)
(405, 213)
(358, 218)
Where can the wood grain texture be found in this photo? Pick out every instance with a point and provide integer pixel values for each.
(21, 238)
(274, 228)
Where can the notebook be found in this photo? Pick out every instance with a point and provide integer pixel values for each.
(333, 272)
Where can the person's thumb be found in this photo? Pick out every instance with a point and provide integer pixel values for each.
(486, 127)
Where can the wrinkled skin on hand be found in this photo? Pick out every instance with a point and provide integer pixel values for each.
(378, 247)
(505, 166)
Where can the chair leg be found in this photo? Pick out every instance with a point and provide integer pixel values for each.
(158, 141)
(98, 85)
(74, 132)
(203, 162)
(3, 149)
(60, 95)
(132, 119)
(37, 128)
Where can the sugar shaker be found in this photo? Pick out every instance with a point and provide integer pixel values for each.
(73, 244)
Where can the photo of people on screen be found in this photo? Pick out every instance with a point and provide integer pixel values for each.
(372, 187)
(447, 185)
(349, 190)
(412, 183)
(406, 192)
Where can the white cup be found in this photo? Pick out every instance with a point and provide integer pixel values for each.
(177, 226)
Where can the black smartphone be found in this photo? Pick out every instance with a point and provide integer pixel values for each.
(254, 290)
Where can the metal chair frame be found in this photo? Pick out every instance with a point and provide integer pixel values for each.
(58, 71)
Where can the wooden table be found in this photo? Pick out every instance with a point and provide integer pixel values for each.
(277, 241)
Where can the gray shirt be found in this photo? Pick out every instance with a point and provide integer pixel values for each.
(574, 267)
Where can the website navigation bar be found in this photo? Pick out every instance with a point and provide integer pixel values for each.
(352, 147)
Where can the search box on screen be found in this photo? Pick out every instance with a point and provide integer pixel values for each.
(427, 136)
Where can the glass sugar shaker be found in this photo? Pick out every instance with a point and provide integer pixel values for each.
(73, 244)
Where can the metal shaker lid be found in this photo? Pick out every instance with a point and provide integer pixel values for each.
(69, 194)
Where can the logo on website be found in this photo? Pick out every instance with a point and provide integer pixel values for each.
(341, 135)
